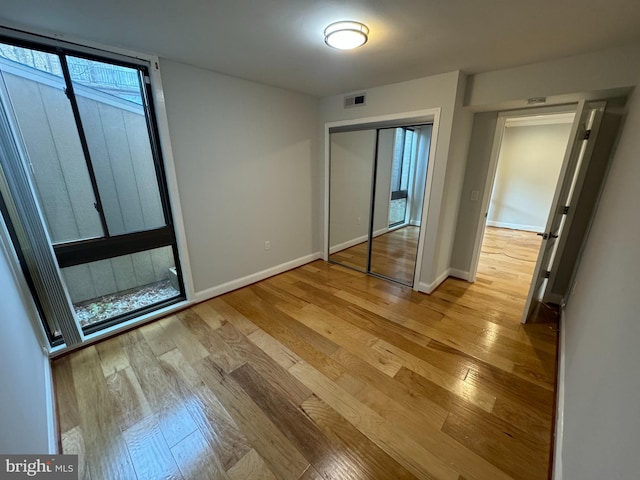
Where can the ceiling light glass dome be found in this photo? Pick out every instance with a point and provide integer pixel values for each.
(346, 35)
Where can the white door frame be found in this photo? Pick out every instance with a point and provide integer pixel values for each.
(431, 115)
(493, 167)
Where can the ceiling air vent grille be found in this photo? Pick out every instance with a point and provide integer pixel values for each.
(354, 100)
(536, 100)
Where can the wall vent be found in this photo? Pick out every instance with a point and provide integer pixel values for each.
(357, 100)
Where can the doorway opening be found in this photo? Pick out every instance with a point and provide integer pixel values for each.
(528, 164)
(574, 198)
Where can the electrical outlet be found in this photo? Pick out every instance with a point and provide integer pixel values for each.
(359, 220)
(267, 245)
(475, 194)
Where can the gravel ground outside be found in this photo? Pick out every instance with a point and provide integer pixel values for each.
(109, 306)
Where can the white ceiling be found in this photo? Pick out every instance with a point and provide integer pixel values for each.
(280, 42)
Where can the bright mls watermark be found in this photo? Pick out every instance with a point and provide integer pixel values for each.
(49, 467)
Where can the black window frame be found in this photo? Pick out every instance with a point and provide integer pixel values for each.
(108, 246)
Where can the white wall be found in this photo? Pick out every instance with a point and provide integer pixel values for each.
(476, 171)
(26, 411)
(528, 167)
(245, 157)
(565, 80)
(452, 189)
(602, 330)
(446, 92)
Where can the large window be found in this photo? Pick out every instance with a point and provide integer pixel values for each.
(82, 129)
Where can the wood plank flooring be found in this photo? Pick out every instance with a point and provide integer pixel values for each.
(393, 254)
(324, 373)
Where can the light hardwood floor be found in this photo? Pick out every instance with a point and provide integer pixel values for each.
(323, 373)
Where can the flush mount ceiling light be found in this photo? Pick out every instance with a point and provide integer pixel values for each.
(346, 35)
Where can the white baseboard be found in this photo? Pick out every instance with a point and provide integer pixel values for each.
(559, 431)
(356, 241)
(348, 244)
(253, 278)
(52, 418)
(516, 226)
(382, 231)
(461, 274)
(428, 288)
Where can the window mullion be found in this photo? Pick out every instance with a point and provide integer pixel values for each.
(83, 140)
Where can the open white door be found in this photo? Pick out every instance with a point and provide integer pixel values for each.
(576, 149)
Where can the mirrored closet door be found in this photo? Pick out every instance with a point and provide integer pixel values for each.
(376, 193)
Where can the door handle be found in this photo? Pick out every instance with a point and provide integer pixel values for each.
(547, 236)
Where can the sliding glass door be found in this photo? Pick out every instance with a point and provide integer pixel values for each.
(80, 140)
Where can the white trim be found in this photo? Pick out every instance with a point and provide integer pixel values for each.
(254, 277)
(540, 120)
(347, 244)
(384, 230)
(361, 239)
(53, 429)
(428, 288)
(427, 115)
(559, 427)
(461, 274)
(515, 226)
(412, 116)
(171, 177)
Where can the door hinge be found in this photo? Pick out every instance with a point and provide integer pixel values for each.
(147, 80)
(547, 274)
(565, 210)
(587, 134)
